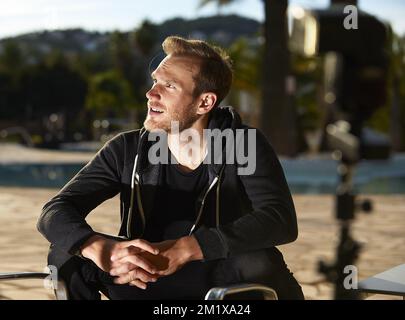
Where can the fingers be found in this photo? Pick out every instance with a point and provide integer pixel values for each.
(124, 252)
(138, 283)
(121, 269)
(142, 244)
(128, 263)
(137, 276)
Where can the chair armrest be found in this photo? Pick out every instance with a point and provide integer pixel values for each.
(219, 293)
(59, 287)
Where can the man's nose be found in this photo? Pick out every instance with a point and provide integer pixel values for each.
(152, 93)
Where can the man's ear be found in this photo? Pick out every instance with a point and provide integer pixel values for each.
(207, 102)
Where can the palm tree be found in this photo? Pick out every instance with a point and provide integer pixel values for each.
(353, 2)
(278, 118)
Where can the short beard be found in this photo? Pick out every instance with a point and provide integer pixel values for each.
(185, 121)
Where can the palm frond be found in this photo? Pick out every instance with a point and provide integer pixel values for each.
(219, 2)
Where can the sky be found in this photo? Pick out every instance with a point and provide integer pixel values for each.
(23, 16)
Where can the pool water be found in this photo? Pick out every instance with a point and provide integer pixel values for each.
(38, 175)
(304, 176)
(318, 176)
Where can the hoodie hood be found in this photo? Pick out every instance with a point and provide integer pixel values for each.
(227, 120)
(223, 118)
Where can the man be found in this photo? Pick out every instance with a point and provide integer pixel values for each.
(189, 224)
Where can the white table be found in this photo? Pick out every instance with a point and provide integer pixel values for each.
(391, 282)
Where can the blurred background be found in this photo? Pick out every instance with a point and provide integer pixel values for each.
(73, 74)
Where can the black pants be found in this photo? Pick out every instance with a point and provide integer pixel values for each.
(84, 279)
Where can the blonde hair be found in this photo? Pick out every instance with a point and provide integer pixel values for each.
(215, 74)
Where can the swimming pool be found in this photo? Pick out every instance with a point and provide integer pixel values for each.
(315, 176)
(304, 176)
(37, 175)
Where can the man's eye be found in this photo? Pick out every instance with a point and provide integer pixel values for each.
(169, 85)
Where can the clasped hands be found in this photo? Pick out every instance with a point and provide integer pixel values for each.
(137, 262)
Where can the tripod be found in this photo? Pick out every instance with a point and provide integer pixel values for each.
(348, 249)
(355, 85)
(347, 96)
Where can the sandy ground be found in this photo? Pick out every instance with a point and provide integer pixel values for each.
(382, 233)
(14, 153)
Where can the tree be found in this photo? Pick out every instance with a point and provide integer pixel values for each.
(352, 2)
(129, 63)
(11, 66)
(246, 65)
(391, 117)
(122, 55)
(397, 123)
(278, 118)
(54, 88)
(6, 96)
(146, 41)
(109, 95)
(245, 91)
(146, 37)
(11, 58)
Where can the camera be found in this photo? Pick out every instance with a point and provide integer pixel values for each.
(355, 86)
(355, 74)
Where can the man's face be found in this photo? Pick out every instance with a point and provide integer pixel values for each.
(171, 96)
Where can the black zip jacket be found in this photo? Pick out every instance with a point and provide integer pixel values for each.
(252, 212)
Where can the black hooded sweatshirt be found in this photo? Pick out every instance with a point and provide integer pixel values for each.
(252, 212)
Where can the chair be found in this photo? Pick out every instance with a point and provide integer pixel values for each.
(217, 293)
(220, 293)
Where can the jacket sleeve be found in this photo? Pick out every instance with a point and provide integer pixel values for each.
(62, 221)
(272, 220)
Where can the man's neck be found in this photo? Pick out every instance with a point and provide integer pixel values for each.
(189, 146)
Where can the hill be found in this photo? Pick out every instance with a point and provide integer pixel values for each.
(221, 29)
